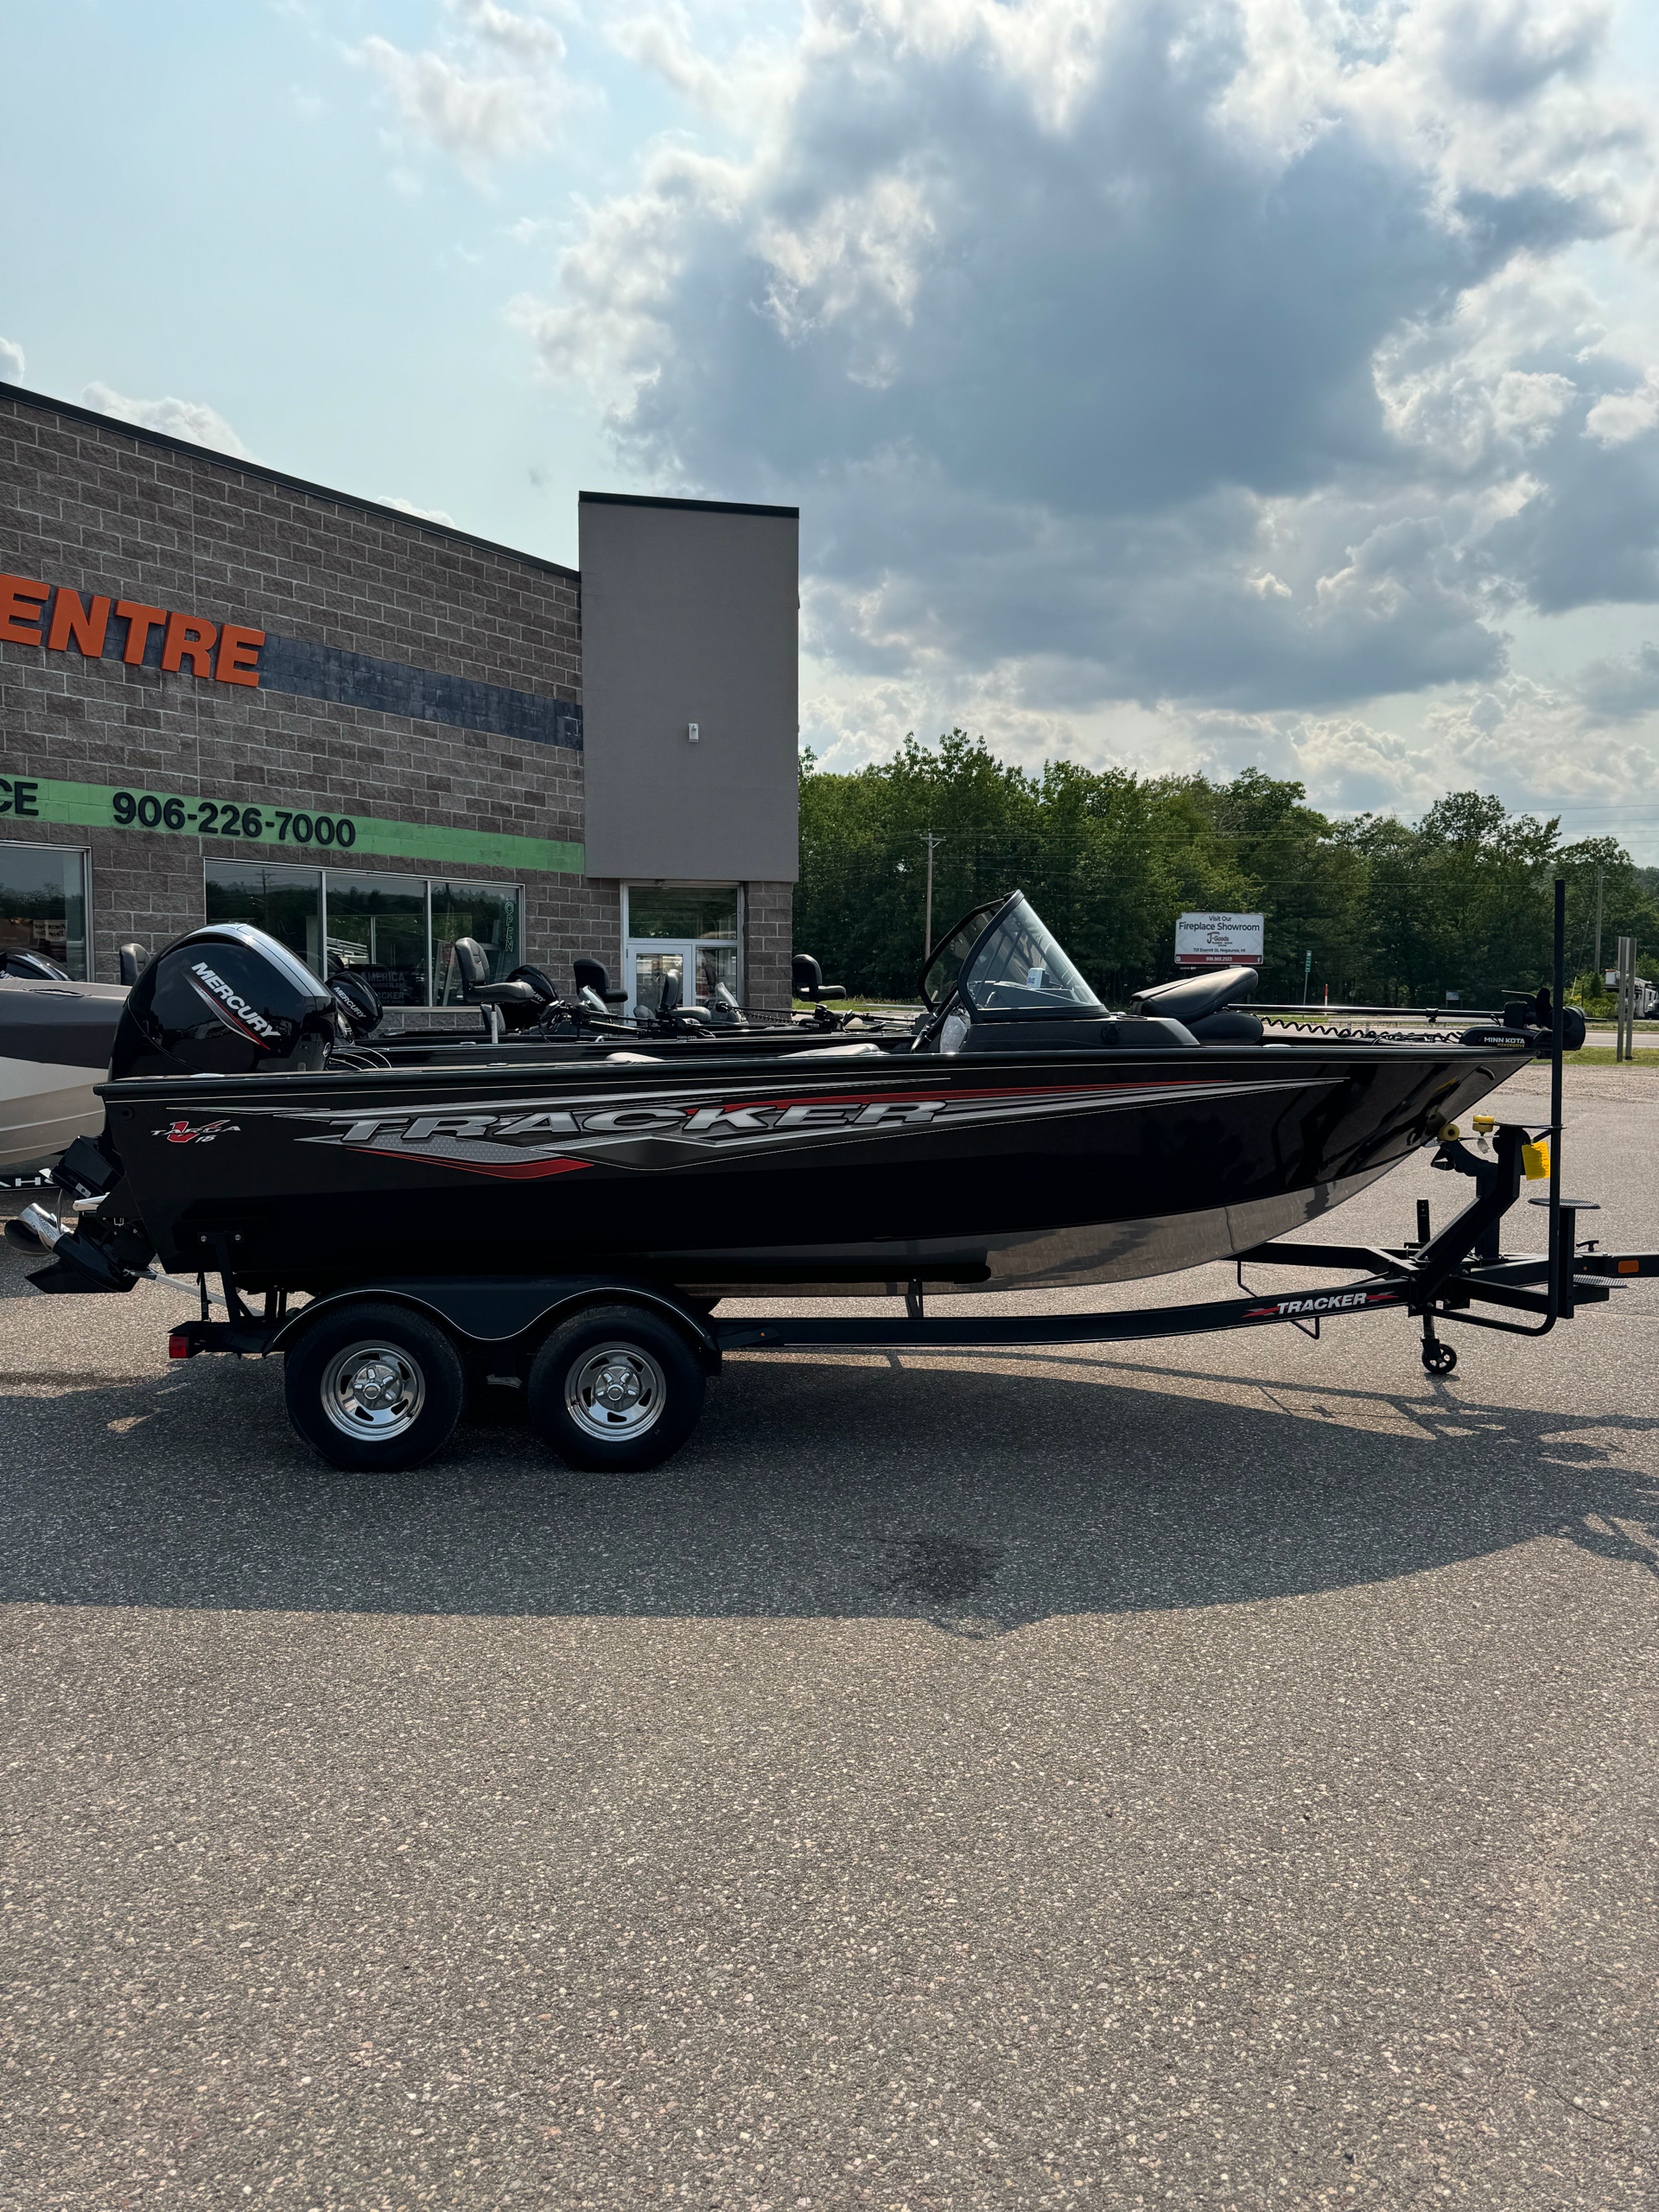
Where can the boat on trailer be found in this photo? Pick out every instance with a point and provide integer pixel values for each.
(574, 1210)
(56, 1037)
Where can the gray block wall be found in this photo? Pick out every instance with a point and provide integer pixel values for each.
(103, 508)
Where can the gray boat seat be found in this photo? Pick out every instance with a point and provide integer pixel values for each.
(473, 965)
(1208, 1005)
(592, 976)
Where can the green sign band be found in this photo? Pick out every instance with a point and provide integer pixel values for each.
(259, 824)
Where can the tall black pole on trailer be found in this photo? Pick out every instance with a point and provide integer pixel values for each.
(929, 840)
(1560, 1263)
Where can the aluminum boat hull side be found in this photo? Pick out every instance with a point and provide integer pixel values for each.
(1052, 1259)
(1005, 1170)
(54, 1049)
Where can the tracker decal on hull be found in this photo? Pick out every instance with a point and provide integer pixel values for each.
(534, 1139)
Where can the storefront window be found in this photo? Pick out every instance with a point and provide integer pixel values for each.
(686, 929)
(285, 902)
(43, 904)
(681, 911)
(397, 932)
(377, 928)
(489, 913)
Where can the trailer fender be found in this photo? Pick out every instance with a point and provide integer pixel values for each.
(503, 1310)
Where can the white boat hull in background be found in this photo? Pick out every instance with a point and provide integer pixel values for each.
(44, 1107)
(55, 1045)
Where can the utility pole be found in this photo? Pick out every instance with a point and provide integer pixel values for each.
(1307, 970)
(1600, 978)
(1625, 1036)
(929, 840)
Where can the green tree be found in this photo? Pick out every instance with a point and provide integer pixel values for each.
(1392, 912)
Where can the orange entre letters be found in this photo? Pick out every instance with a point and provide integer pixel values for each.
(188, 637)
(71, 620)
(237, 646)
(140, 620)
(20, 620)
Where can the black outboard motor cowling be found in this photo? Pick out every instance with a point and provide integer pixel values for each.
(227, 1000)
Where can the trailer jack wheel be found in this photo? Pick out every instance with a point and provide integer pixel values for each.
(615, 1388)
(1438, 1358)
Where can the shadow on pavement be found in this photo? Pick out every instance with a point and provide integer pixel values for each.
(981, 1501)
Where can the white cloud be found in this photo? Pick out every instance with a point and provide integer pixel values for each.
(426, 514)
(478, 119)
(1622, 415)
(530, 38)
(11, 361)
(1165, 376)
(191, 419)
(733, 83)
(490, 90)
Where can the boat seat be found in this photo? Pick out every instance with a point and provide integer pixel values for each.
(1232, 1026)
(476, 988)
(806, 981)
(1191, 999)
(593, 975)
(539, 984)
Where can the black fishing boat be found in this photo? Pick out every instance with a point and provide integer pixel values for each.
(1016, 1134)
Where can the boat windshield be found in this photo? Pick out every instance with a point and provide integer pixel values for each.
(1020, 966)
(945, 966)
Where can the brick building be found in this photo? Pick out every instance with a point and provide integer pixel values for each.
(225, 693)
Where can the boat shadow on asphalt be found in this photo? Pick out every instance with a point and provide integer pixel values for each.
(979, 1499)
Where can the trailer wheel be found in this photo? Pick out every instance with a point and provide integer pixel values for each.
(374, 1387)
(615, 1388)
(1439, 1359)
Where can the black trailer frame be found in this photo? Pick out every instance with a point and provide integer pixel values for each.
(1439, 1277)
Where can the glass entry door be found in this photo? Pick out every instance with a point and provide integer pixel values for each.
(689, 930)
(647, 967)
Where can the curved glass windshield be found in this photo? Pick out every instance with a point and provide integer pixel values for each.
(945, 966)
(1020, 966)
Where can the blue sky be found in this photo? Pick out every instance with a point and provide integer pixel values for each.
(1190, 385)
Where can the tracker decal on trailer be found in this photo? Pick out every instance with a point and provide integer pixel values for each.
(1335, 1301)
(533, 1139)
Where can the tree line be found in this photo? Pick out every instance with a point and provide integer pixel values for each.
(1394, 913)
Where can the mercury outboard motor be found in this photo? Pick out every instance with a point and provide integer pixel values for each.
(31, 967)
(357, 1003)
(227, 1000)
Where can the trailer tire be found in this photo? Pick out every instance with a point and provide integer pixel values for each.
(374, 1387)
(615, 1389)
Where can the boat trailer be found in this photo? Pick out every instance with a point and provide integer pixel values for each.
(615, 1367)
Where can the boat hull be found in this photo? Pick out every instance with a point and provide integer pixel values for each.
(54, 1048)
(725, 1175)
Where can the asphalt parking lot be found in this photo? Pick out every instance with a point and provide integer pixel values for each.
(1219, 1772)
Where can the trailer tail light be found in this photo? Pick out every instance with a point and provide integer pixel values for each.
(182, 1345)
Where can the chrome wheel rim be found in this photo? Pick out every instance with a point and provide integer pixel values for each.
(374, 1391)
(617, 1390)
